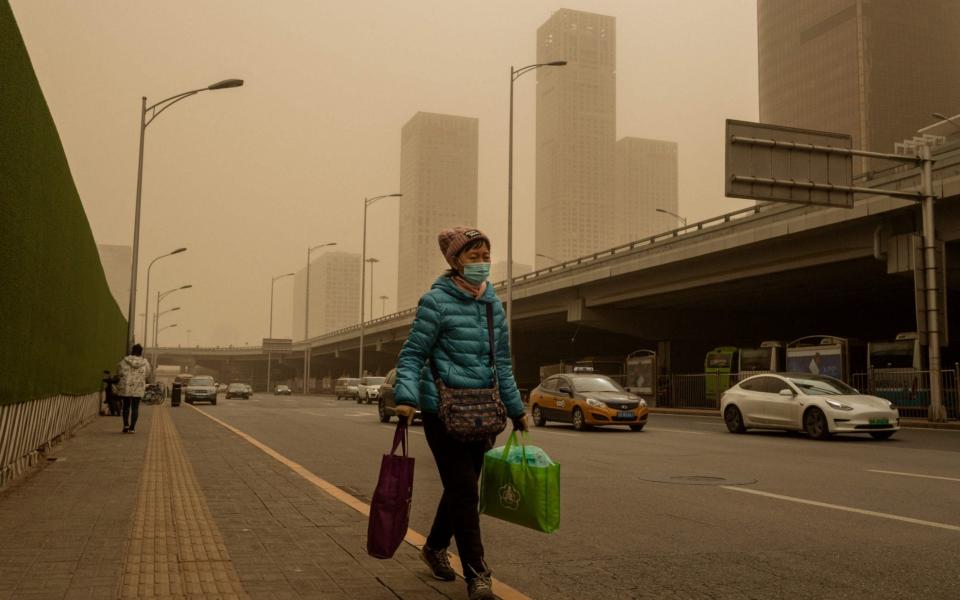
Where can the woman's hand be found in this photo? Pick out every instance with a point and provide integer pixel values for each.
(405, 411)
(520, 423)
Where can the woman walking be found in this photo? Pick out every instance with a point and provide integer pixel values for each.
(450, 337)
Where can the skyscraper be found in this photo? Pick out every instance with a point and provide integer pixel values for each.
(645, 180)
(334, 293)
(875, 69)
(576, 129)
(438, 180)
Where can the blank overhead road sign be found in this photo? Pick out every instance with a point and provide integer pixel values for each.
(786, 164)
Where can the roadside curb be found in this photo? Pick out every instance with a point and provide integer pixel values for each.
(702, 412)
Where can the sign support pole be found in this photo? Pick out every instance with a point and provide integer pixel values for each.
(937, 413)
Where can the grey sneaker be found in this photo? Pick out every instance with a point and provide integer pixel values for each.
(439, 563)
(479, 586)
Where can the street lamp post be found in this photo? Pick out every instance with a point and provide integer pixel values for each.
(156, 315)
(146, 309)
(514, 75)
(154, 110)
(683, 220)
(372, 261)
(270, 334)
(363, 268)
(306, 321)
(162, 328)
(383, 305)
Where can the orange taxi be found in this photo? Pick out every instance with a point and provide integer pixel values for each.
(586, 400)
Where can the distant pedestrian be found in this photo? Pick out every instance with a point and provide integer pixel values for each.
(133, 372)
(450, 337)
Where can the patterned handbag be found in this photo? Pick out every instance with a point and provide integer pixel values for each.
(471, 415)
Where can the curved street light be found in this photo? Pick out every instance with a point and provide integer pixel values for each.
(683, 220)
(367, 202)
(514, 75)
(146, 309)
(155, 110)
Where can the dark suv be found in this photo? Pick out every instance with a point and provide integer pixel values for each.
(386, 405)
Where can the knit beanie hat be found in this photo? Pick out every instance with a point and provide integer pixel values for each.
(453, 240)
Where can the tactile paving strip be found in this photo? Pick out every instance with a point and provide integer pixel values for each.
(175, 549)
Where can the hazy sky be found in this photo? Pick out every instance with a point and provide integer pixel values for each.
(247, 178)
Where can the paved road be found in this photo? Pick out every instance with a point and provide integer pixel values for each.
(683, 509)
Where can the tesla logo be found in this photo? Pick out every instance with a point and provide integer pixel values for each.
(509, 497)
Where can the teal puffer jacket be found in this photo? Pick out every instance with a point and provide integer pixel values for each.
(451, 327)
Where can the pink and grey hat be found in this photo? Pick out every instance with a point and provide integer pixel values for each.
(453, 240)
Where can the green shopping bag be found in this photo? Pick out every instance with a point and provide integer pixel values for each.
(520, 484)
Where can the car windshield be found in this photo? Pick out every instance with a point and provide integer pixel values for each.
(596, 383)
(282, 387)
(235, 386)
(373, 380)
(352, 382)
(201, 381)
(814, 385)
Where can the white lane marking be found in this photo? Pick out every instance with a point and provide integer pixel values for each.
(913, 475)
(677, 430)
(860, 511)
(359, 414)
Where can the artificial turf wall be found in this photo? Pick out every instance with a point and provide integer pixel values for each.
(59, 325)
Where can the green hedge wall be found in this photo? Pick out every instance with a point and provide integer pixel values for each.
(59, 325)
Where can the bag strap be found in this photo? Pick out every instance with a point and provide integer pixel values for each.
(400, 437)
(493, 358)
(522, 440)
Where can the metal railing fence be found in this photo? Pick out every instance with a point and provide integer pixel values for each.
(909, 390)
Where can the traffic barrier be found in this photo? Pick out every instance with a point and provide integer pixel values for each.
(29, 429)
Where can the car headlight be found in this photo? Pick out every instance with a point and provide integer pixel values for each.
(838, 405)
(892, 405)
(643, 403)
(595, 403)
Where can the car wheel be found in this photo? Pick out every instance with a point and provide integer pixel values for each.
(733, 419)
(213, 402)
(579, 421)
(538, 419)
(881, 435)
(637, 427)
(381, 410)
(815, 424)
(359, 400)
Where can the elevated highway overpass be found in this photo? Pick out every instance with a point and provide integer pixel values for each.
(773, 271)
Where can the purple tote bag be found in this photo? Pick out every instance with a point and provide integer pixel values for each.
(390, 508)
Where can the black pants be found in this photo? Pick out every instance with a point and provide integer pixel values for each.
(458, 514)
(131, 410)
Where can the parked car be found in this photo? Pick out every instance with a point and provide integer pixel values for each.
(346, 388)
(368, 389)
(249, 389)
(238, 390)
(386, 403)
(282, 390)
(200, 388)
(819, 405)
(586, 400)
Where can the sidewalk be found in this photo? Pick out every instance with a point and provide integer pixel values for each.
(186, 509)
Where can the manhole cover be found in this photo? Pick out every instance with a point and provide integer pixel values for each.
(699, 480)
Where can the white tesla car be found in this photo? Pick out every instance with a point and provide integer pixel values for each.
(818, 405)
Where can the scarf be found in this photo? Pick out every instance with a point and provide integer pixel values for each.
(474, 290)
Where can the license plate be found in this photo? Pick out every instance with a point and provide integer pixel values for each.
(625, 414)
(879, 421)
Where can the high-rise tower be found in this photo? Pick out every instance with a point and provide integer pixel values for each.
(438, 180)
(576, 129)
(645, 181)
(875, 69)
